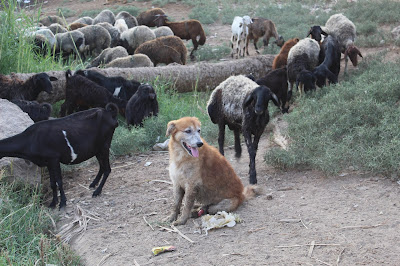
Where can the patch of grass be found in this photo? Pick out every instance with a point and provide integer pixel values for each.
(352, 124)
(367, 28)
(90, 13)
(162, 3)
(65, 12)
(133, 10)
(207, 52)
(204, 12)
(85, 1)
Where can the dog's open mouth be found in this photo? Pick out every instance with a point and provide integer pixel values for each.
(193, 151)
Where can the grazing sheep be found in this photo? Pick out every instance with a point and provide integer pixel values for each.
(81, 93)
(241, 104)
(141, 105)
(108, 55)
(131, 61)
(36, 111)
(57, 28)
(44, 39)
(84, 20)
(134, 37)
(240, 30)
(130, 20)
(69, 140)
(329, 68)
(120, 25)
(97, 38)
(105, 16)
(70, 42)
(48, 20)
(163, 31)
(316, 33)
(114, 33)
(148, 17)
(344, 30)
(16, 89)
(281, 59)
(186, 30)
(168, 49)
(118, 86)
(302, 59)
(76, 25)
(264, 28)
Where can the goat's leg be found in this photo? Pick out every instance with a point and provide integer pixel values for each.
(53, 186)
(221, 137)
(98, 176)
(178, 196)
(232, 45)
(55, 171)
(238, 148)
(255, 44)
(265, 41)
(63, 109)
(247, 44)
(188, 202)
(252, 155)
(195, 45)
(346, 60)
(104, 160)
(238, 50)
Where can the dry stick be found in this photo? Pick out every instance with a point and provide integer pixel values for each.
(310, 251)
(161, 181)
(361, 226)
(338, 258)
(294, 246)
(320, 261)
(144, 218)
(180, 233)
(104, 259)
(303, 223)
(135, 262)
(257, 229)
(52, 221)
(122, 166)
(83, 186)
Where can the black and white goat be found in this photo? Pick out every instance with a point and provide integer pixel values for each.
(68, 140)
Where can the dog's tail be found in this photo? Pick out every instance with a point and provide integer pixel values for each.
(251, 191)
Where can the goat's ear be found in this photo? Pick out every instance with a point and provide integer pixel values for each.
(359, 53)
(324, 33)
(248, 100)
(240, 25)
(170, 128)
(53, 79)
(309, 32)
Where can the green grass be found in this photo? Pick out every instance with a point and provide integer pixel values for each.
(65, 12)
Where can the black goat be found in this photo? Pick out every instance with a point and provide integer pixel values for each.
(299, 70)
(141, 105)
(316, 32)
(17, 89)
(36, 111)
(329, 59)
(68, 140)
(118, 86)
(81, 93)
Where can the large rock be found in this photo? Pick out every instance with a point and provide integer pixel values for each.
(396, 33)
(12, 122)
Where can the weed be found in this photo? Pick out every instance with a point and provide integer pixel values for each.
(205, 13)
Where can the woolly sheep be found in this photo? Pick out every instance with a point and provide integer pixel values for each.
(114, 33)
(130, 20)
(108, 55)
(105, 16)
(84, 20)
(148, 17)
(44, 37)
(134, 37)
(344, 30)
(131, 61)
(120, 25)
(240, 30)
(76, 25)
(70, 42)
(163, 31)
(57, 28)
(48, 20)
(97, 38)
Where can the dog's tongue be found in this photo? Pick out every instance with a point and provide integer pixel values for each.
(195, 151)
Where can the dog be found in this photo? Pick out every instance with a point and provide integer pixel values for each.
(200, 173)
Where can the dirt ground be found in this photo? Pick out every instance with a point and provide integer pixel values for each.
(352, 218)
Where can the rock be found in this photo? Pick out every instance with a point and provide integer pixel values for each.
(13, 121)
(396, 33)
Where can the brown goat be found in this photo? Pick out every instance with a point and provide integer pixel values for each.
(149, 17)
(186, 30)
(167, 49)
(76, 25)
(265, 28)
(281, 59)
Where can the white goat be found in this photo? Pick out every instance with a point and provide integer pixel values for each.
(240, 30)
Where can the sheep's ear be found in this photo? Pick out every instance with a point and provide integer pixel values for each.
(324, 33)
(170, 128)
(248, 100)
(53, 79)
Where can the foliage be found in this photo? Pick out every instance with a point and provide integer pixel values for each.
(207, 52)
(204, 12)
(65, 12)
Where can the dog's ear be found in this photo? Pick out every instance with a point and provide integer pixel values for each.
(170, 128)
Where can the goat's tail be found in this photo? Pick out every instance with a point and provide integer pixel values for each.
(68, 73)
(113, 109)
(251, 191)
(202, 34)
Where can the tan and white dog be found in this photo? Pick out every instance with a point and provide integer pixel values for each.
(200, 173)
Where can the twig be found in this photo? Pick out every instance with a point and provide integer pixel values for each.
(122, 166)
(166, 229)
(14, 212)
(52, 221)
(135, 262)
(201, 109)
(83, 186)
(320, 261)
(361, 226)
(303, 223)
(104, 259)
(294, 246)
(144, 218)
(257, 229)
(310, 251)
(290, 220)
(161, 181)
(338, 258)
(182, 235)
(238, 254)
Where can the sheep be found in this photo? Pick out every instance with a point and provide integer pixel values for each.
(281, 59)
(97, 38)
(81, 93)
(69, 140)
(148, 17)
(276, 81)
(241, 104)
(76, 25)
(84, 20)
(16, 89)
(44, 39)
(302, 59)
(105, 16)
(134, 37)
(186, 30)
(57, 28)
(70, 42)
(168, 49)
(48, 20)
(114, 33)
(316, 32)
(329, 68)
(141, 105)
(130, 20)
(36, 111)
(344, 30)
(163, 31)
(264, 28)
(108, 55)
(240, 30)
(118, 86)
(131, 61)
(121, 25)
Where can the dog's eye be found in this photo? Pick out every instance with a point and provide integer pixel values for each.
(188, 131)
(198, 131)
